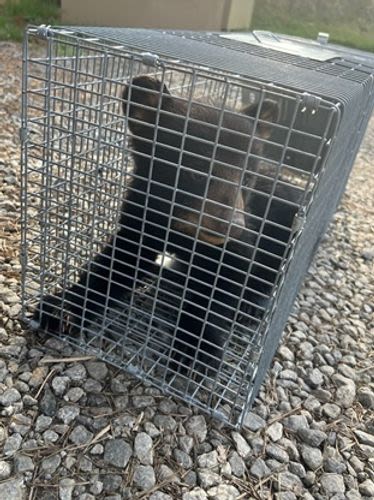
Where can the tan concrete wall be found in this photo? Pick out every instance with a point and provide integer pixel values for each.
(178, 14)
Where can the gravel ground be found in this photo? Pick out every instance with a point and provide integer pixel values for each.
(76, 428)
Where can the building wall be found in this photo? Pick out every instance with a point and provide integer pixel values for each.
(178, 14)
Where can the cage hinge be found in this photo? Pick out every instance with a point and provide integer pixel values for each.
(310, 102)
(43, 31)
(298, 222)
(23, 134)
(150, 59)
(323, 38)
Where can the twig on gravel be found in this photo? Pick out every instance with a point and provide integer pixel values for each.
(72, 359)
(49, 375)
(284, 415)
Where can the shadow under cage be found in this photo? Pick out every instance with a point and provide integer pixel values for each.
(172, 201)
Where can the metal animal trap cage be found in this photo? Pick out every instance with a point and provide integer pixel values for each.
(175, 187)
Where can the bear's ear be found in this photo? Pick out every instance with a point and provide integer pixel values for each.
(143, 92)
(267, 114)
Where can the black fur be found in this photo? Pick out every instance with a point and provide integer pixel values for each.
(217, 273)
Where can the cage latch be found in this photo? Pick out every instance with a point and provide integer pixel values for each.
(310, 102)
(150, 59)
(43, 31)
(298, 222)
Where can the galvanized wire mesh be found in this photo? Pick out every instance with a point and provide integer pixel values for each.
(180, 284)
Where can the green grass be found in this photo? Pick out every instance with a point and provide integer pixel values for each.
(280, 22)
(15, 15)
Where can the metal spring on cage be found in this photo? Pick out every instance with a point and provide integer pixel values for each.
(43, 31)
(150, 59)
(310, 102)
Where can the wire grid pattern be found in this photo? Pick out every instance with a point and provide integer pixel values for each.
(78, 167)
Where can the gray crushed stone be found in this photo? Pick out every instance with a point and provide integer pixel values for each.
(82, 430)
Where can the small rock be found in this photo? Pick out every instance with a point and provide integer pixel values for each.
(253, 422)
(331, 410)
(59, 385)
(238, 467)
(367, 488)
(368, 254)
(207, 478)
(208, 460)
(345, 395)
(168, 406)
(314, 378)
(9, 397)
(312, 437)
(190, 478)
(165, 473)
(23, 463)
(285, 495)
(241, 445)
(182, 458)
(74, 394)
(353, 495)
(80, 435)
(97, 449)
(143, 448)
(38, 376)
(68, 413)
(50, 464)
(356, 463)
(97, 370)
(186, 443)
(96, 488)
(48, 403)
(166, 423)
(310, 478)
(50, 436)
(366, 397)
(286, 481)
(274, 465)
(334, 464)
(275, 431)
(117, 452)
(223, 492)
(332, 483)
(276, 452)
(311, 456)
(77, 373)
(286, 354)
(196, 427)
(13, 489)
(111, 482)
(5, 470)
(298, 469)
(21, 424)
(259, 469)
(195, 494)
(295, 422)
(365, 437)
(143, 401)
(159, 495)
(151, 429)
(12, 444)
(65, 488)
(42, 423)
(85, 465)
(144, 477)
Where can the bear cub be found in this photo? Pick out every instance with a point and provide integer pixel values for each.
(191, 196)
